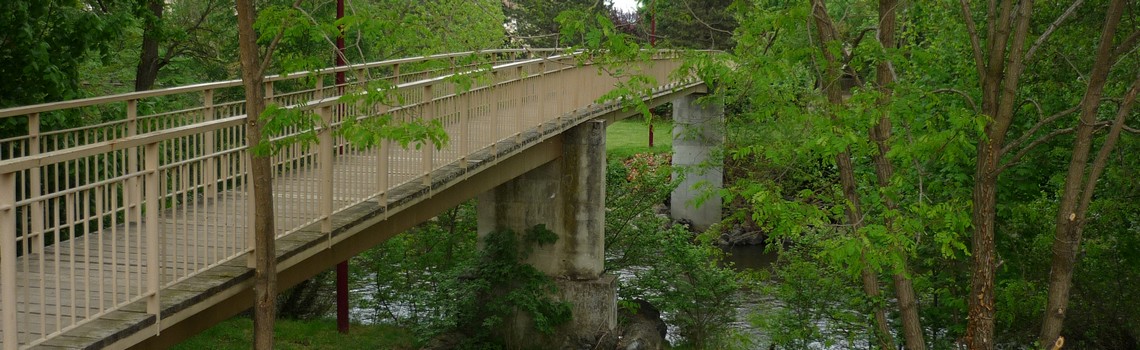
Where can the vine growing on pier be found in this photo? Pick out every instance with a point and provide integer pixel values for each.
(501, 285)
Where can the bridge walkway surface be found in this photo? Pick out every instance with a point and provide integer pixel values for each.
(97, 266)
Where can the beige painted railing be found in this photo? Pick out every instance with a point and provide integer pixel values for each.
(99, 216)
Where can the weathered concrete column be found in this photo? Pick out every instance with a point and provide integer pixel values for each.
(568, 196)
(698, 134)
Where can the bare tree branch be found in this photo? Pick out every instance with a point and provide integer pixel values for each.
(1052, 27)
(1017, 32)
(772, 40)
(1037, 106)
(1022, 152)
(1127, 45)
(970, 100)
(854, 44)
(1101, 160)
(975, 42)
(698, 18)
(1037, 126)
(991, 12)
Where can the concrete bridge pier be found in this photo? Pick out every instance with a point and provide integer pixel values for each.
(698, 134)
(568, 196)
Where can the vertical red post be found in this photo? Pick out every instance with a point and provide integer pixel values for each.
(342, 267)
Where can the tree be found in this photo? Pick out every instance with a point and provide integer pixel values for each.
(299, 34)
(171, 30)
(884, 174)
(1000, 67)
(149, 64)
(830, 79)
(1082, 177)
(693, 24)
(533, 21)
(43, 43)
(264, 248)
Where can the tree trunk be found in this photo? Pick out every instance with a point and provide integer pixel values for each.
(999, 78)
(980, 324)
(147, 71)
(884, 170)
(265, 277)
(1073, 207)
(831, 87)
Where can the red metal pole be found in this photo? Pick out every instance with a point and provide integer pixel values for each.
(653, 43)
(342, 267)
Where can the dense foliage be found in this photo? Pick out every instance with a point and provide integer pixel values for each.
(43, 45)
(683, 276)
(921, 215)
(874, 163)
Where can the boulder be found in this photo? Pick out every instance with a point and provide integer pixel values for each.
(643, 330)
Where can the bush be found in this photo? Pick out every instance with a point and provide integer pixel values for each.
(682, 275)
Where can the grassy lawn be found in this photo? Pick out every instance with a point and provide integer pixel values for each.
(631, 136)
(237, 333)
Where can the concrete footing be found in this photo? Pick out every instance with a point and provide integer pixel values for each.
(566, 195)
(698, 135)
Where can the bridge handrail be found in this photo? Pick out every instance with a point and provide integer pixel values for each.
(57, 156)
(91, 101)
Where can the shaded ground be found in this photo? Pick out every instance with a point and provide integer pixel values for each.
(237, 333)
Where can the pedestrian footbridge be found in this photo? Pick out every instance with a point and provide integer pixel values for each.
(132, 227)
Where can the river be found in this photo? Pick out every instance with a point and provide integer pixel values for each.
(746, 258)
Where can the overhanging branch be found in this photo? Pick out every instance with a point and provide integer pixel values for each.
(1022, 152)
(970, 100)
(1052, 27)
(1037, 126)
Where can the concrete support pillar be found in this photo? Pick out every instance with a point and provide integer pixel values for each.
(568, 196)
(698, 135)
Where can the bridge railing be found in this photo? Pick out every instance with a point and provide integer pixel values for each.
(138, 210)
(30, 130)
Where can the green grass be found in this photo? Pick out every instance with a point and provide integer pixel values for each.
(631, 136)
(237, 333)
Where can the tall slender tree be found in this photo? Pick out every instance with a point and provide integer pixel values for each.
(264, 250)
(831, 76)
(1081, 178)
(999, 66)
(884, 172)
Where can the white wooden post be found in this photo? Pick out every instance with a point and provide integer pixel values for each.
(132, 192)
(35, 236)
(8, 259)
(325, 162)
(153, 230)
(428, 110)
(210, 166)
(519, 108)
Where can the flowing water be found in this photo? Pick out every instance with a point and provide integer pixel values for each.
(742, 258)
(750, 258)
